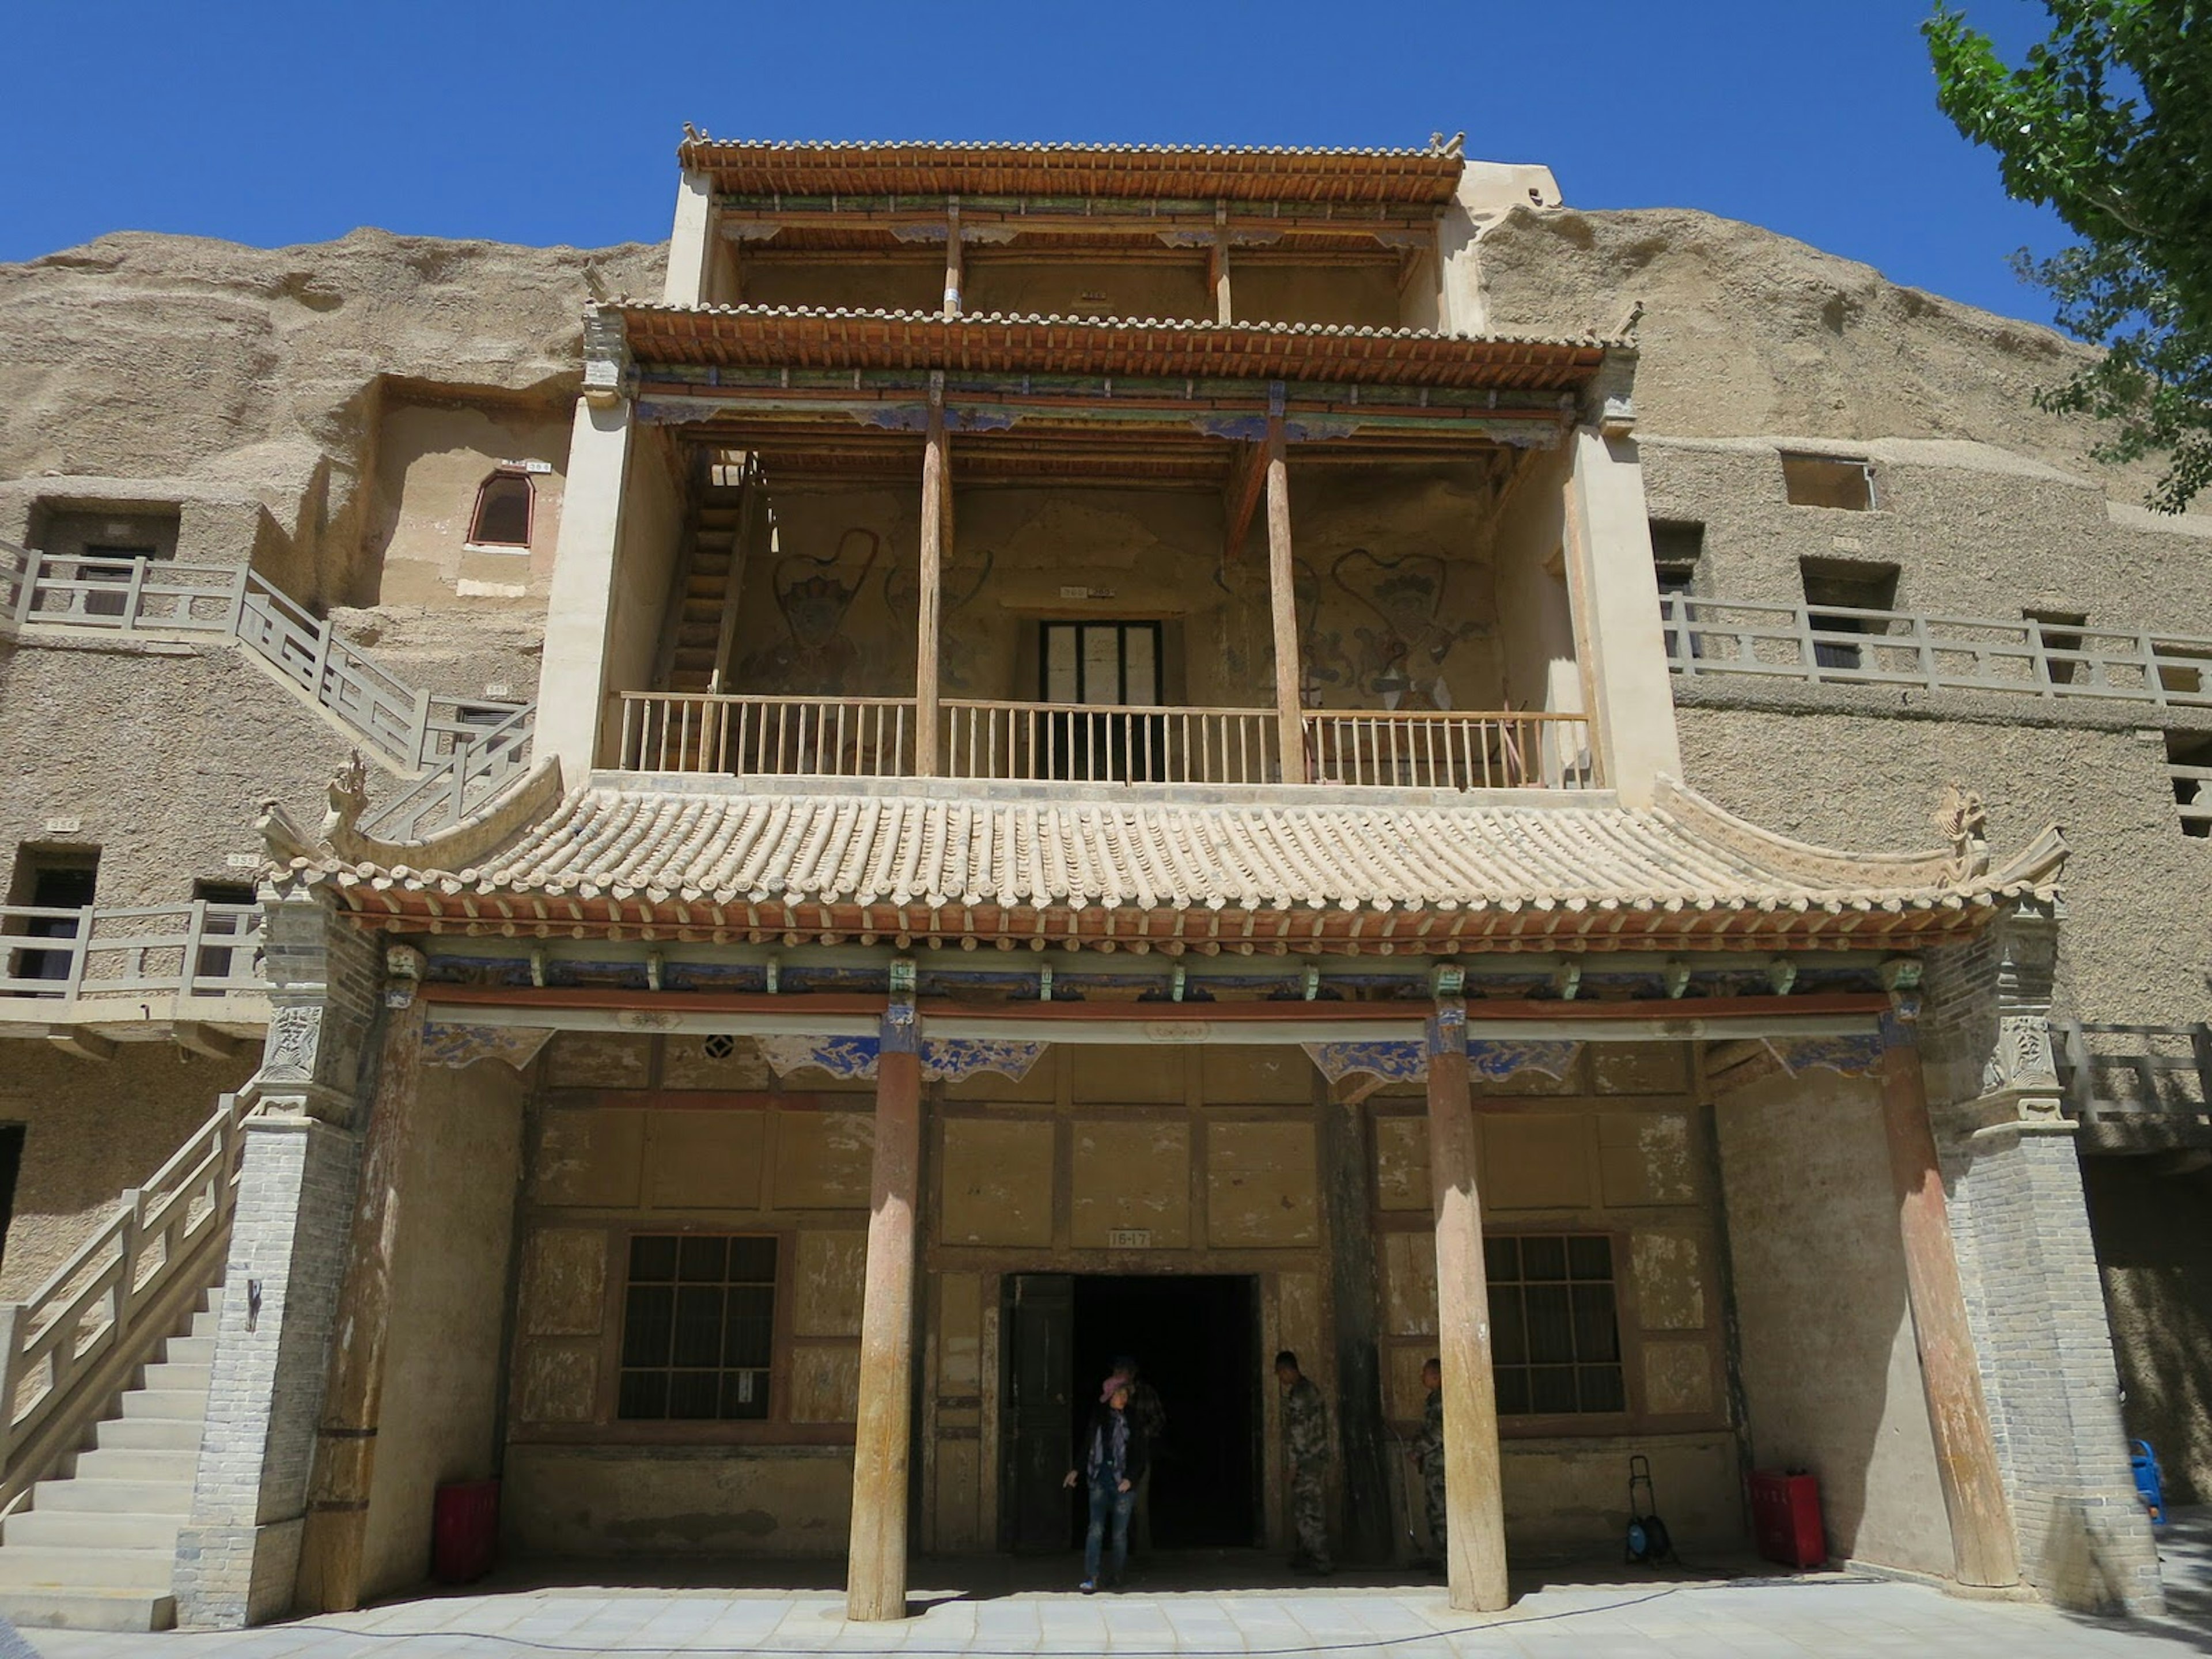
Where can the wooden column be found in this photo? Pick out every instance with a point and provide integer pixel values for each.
(952, 257)
(1217, 265)
(1474, 1504)
(335, 1533)
(931, 584)
(1346, 1183)
(875, 1587)
(1983, 1549)
(1282, 592)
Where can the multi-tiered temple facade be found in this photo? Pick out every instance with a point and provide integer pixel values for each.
(1105, 780)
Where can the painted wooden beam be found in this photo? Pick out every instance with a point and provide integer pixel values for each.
(1217, 262)
(1984, 1549)
(953, 257)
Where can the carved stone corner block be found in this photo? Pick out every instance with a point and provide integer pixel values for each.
(307, 1102)
(2006, 1113)
(2021, 1058)
(295, 1043)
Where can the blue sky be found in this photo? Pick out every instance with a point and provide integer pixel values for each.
(556, 122)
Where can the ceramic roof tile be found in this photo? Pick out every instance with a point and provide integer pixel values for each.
(968, 849)
(1427, 176)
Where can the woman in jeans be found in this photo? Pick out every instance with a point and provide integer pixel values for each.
(1114, 1462)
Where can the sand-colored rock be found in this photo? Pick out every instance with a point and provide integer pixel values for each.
(142, 355)
(1747, 333)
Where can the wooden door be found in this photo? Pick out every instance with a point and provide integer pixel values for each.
(1038, 1425)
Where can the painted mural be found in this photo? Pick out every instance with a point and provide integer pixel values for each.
(815, 653)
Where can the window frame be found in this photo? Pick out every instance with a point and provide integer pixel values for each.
(1862, 465)
(778, 1402)
(1627, 1334)
(474, 542)
(603, 1427)
(1124, 626)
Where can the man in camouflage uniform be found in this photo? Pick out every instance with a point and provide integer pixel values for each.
(1305, 1449)
(1151, 1416)
(1429, 1454)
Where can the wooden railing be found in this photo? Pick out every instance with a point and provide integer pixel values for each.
(874, 738)
(71, 1345)
(768, 736)
(193, 950)
(1837, 644)
(467, 748)
(1101, 743)
(1447, 749)
(2130, 1071)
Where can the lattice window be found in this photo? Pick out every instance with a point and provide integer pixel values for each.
(1554, 1325)
(698, 1326)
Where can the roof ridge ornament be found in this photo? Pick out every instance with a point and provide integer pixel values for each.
(1964, 821)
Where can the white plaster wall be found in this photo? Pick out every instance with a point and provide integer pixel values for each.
(652, 536)
(442, 1368)
(1830, 1373)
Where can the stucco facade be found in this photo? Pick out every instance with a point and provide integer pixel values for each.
(1167, 829)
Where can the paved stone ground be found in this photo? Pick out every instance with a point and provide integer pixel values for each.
(1835, 1616)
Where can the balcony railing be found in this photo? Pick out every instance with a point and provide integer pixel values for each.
(1835, 645)
(1428, 749)
(195, 950)
(1105, 742)
(874, 738)
(467, 748)
(2133, 1071)
(767, 736)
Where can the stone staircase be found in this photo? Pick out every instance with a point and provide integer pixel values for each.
(96, 1550)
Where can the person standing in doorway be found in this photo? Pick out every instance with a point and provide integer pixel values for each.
(1429, 1457)
(1114, 1459)
(1151, 1416)
(1305, 1453)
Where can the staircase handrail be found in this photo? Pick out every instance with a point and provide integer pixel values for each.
(416, 731)
(67, 1348)
(478, 768)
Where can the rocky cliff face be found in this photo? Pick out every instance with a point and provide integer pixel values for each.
(149, 356)
(1748, 333)
(140, 356)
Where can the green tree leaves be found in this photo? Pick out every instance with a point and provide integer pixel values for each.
(2109, 123)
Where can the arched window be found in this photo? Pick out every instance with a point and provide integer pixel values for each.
(502, 515)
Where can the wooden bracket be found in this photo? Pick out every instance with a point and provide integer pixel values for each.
(1247, 480)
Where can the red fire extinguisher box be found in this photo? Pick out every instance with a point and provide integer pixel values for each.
(1785, 1518)
(464, 1531)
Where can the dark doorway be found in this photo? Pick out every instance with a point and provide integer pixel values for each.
(1197, 1338)
(11, 1165)
(53, 881)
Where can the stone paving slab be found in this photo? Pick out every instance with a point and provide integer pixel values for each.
(1834, 1617)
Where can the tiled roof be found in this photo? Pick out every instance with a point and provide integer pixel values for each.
(1422, 871)
(801, 337)
(1423, 177)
